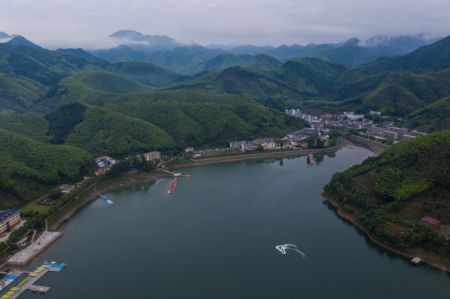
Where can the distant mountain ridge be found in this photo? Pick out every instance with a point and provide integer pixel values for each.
(71, 97)
(166, 52)
(155, 41)
(4, 35)
(36, 78)
(19, 40)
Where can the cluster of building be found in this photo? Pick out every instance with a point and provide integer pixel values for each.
(206, 152)
(235, 146)
(104, 164)
(351, 121)
(248, 146)
(391, 133)
(299, 139)
(346, 120)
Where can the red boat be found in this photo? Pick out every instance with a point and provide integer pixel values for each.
(173, 186)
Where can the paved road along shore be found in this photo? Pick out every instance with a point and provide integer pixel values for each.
(24, 256)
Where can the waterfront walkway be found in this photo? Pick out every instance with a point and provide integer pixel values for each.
(24, 256)
(262, 155)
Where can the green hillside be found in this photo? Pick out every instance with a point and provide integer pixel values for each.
(246, 82)
(18, 94)
(29, 124)
(106, 132)
(389, 193)
(433, 117)
(28, 72)
(147, 73)
(103, 81)
(311, 76)
(209, 123)
(37, 167)
(296, 79)
(259, 62)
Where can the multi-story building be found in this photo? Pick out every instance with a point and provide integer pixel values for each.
(237, 144)
(152, 156)
(8, 220)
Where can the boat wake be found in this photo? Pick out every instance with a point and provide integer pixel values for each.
(285, 247)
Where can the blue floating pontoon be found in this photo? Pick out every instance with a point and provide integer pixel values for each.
(55, 266)
(10, 277)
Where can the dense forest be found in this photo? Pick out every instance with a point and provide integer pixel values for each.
(389, 194)
(29, 167)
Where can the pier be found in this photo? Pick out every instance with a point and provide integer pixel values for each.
(28, 283)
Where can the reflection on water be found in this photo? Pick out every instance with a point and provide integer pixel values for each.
(215, 238)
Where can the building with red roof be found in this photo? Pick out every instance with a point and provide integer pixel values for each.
(430, 222)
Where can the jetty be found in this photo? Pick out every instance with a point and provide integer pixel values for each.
(27, 254)
(28, 283)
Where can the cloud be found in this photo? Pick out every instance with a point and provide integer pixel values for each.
(87, 23)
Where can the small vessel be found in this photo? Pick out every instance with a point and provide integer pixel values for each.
(311, 159)
(173, 186)
(285, 247)
(106, 199)
(416, 261)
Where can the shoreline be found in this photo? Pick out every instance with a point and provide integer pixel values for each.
(124, 181)
(135, 178)
(376, 147)
(355, 223)
(262, 155)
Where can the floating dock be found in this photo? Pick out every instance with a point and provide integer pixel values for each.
(28, 283)
(27, 254)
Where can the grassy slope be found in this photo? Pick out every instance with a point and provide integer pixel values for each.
(433, 117)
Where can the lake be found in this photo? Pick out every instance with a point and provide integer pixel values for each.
(216, 238)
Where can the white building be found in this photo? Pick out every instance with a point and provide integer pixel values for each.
(152, 156)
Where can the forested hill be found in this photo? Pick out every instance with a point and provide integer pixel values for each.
(36, 79)
(29, 167)
(68, 100)
(390, 193)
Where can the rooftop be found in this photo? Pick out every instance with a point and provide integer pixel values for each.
(6, 213)
(430, 220)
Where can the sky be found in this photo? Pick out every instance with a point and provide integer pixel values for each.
(88, 23)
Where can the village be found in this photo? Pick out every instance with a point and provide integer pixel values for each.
(384, 131)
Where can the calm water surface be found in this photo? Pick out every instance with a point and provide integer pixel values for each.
(216, 238)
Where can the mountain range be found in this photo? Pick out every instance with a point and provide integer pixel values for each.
(71, 103)
(167, 53)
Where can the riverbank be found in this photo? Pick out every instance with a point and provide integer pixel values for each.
(258, 156)
(129, 179)
(90, 193)
(427, 258)
(134, 178)
(376, 147)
